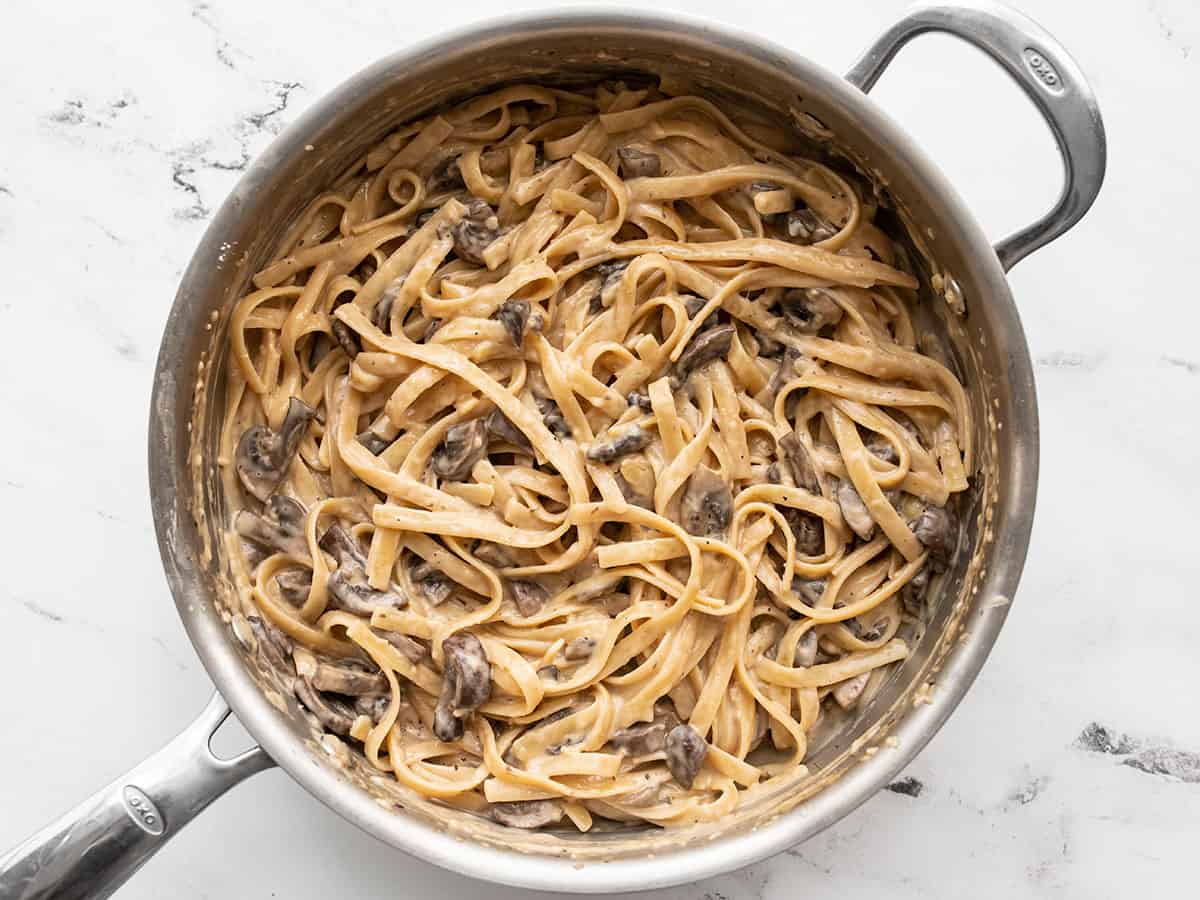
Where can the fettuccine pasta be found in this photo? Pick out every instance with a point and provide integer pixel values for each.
(583, 456)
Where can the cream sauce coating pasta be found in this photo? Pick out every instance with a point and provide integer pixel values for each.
(583, 455)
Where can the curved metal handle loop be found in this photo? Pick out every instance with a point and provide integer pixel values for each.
(1047, 75)
(93, 849)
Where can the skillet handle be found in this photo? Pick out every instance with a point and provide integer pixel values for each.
(1047, 75)
(93, 849)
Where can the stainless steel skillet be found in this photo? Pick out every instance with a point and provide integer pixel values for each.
(95, 847)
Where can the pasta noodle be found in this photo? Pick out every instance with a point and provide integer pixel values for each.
(583, 456)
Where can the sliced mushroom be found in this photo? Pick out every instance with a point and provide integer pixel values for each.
(848, 692)
(767, 345)
(937, 530)
(913, 594)
(707, 504)
(631, 440)
(693, 304)
(373, 707)
(347, 679)
(550, 673)
(493, 555)
(466, 683)
(810, 589)
(529, 596)
(273, 644)
(500, 426)
(345, 336)
(810, 309)
(685, 754)
(514, 316)
(430, 330)
(381, 315)
(611, 273)
(527, 813)
(553, 418)
(854, 511)
(446, 176)
(475, 231)
(431, 581)
(347, 584)
(464, 445)
(708, 345)
(294, 585)
(806, 650)
(280, 528)
(784, 372)
(334, 715)
(805, 227)
(579, 648)
(263, 455)
(874, 632)
(807, 529)
(640, 400)
(374, 443)
(414, 650)
(643, 738)
(799, 463)
(882, 448)
(635, 163)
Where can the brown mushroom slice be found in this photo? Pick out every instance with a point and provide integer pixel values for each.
(347, 584)
(685, 751)
(527, 813)
(464, 445)
(374, 443)
(413, 650)
(810, 589)
(631, 440)
(640, 400)
(848, 692)
(466, 683)
(263, 455)
(579, 648)
(475, 231)
(553, 418)
(806, 227)
(882, 448)
(446, 177)
(767, 345)
(280, 528)
(633, 162)
(806, 650)
(529, 596)
(347, 679)
(799, 463)
(643, 738)
(493, 554)
(913, 594)
(611, 273)
(810, 309)
(807, 529)
(273, 644)
(692, 304)
(434, 584)
(500, 426)
(854, 510)
(514, 316)
(705, 347)
(706, 508)
(937, 530)
(334, 715)
(346, 338)
(294, 585)
(373, 707)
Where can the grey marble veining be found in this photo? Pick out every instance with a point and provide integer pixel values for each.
(1072, 769)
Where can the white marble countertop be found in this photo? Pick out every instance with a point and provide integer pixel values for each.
(1070, 770)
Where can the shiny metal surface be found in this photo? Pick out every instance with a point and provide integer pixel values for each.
(91, 850)
(1047, 75)
(732, 68)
